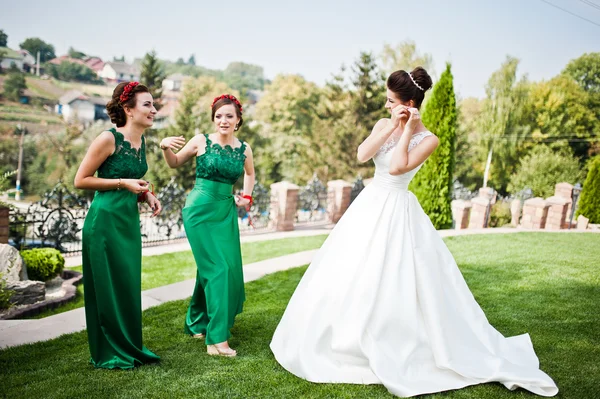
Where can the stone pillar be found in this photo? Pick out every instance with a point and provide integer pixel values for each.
(479, 213)
(338, 199)
(515, 212)
(582, 222)
(461, 211)
(535, 212)
(4, 224)
(557, 213)
(284, 204)
(565, 191)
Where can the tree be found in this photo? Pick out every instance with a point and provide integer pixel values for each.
(35, 44)
(3, 39)
(433, 183)
(369, 93)
(501, 126)
(406, 57)
(152, 74)
(119, 59)
(586, 71)
(288, 111)
(70, 71)
(180, 61)
(468, 169)
(589, 203)
(76, 54)
(14, 86)
(561, 113)
(192, 60)
(543, 168)
(244, 77)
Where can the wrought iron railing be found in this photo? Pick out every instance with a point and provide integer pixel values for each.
(312, 202)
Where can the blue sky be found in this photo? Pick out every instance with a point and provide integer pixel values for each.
(314, 38)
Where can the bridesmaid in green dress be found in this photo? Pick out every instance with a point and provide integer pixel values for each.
(211, 222)
(112, 245)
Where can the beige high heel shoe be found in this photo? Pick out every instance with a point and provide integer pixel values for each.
(214, 350)
(199, 336)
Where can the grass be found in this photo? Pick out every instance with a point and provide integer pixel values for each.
(542, 283)
(171, 268)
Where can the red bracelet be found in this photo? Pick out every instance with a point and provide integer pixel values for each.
(249, 198)
(142, 197)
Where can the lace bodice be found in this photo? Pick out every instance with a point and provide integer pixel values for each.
(383, 159)
(126, 162)
(222, 164)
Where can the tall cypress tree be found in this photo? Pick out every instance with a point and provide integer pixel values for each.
(589, 203)
(433, 184)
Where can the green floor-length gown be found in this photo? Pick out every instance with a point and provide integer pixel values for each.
(112, 265)
(211, 225)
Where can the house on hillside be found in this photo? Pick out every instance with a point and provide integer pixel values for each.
(29, 61)
(11, 57)
(95, 63)
(118, 71)
(174, 82)
(76, 106)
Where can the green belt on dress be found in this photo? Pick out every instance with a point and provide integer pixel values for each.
(214, 187)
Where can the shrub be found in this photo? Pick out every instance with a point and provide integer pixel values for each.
(500, 214)
(5, 294)
(43, 264)
(589, 203)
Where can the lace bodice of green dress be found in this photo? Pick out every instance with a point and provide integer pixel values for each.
(126, 162)
(222, 164)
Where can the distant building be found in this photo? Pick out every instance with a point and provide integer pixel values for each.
(174, 82)
(75, 106)
(117, 71)
(11, 57)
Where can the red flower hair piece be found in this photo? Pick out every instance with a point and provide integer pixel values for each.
(228, 96)
(127, 91)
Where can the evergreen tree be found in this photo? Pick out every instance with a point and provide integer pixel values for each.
(152, 74)
(589, 203)
(433, 184)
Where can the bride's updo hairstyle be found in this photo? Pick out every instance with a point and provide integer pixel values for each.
(410, 85)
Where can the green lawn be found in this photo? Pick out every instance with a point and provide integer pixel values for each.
(171, 268)
(542, 283)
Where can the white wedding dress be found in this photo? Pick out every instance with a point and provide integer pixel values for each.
(383, 302)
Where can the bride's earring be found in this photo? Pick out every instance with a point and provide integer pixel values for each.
(236, 127)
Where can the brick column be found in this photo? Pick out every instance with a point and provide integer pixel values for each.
(535, 212)
(338, 199)
(4, 225)
(557, 213)
(479, 215)
(515, 212)
(461, 210)
(565, 190)
(284, 203)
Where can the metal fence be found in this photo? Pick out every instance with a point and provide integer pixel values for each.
(312, 202)
(57, 220)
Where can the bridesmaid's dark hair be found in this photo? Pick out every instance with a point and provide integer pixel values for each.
(114, 107)
(407, 88)
(225, 99)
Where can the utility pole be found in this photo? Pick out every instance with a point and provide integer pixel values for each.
(38, 64)
(22, 131)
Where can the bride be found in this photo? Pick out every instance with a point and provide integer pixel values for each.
(383, 301)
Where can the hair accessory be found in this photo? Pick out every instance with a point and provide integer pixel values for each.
(228, 96)
(127, 91)
(416, 84)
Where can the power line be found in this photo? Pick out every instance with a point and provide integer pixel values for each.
(569, 12)
(589, 3)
